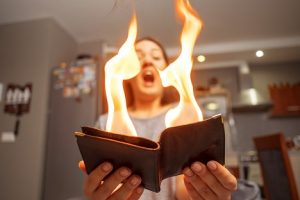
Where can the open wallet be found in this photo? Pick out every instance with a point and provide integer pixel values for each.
(177, 148)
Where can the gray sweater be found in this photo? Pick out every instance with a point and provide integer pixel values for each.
(149, 128)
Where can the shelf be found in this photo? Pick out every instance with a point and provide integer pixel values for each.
(251, 108)
(284, 115)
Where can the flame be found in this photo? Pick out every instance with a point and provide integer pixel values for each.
(123, 66)
(178, 73)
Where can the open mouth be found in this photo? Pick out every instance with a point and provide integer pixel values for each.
(148, 76)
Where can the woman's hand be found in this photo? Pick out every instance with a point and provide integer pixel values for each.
(211, 181)
(121, 184)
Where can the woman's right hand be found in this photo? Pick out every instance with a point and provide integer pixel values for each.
(121, 184)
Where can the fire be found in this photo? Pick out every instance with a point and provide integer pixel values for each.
(123, 66)
(178, 73)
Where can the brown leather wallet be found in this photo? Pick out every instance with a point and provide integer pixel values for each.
(177, 148)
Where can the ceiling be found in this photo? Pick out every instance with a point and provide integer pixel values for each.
(233, 29)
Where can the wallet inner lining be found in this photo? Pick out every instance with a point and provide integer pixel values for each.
(138, 141)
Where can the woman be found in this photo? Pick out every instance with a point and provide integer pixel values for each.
(147, 111)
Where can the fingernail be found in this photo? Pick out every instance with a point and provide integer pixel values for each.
(134, 181)
(106, 167)
(139, 190)
(188, 172)
(197, 167)
(212, 165)
(124, 172)
(81, 164)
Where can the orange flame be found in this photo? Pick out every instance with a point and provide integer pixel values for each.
(178, 73)
(123, 66)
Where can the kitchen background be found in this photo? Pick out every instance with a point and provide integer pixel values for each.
(40, 42)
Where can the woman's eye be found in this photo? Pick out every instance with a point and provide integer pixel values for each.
(156, 57)
(140, 56)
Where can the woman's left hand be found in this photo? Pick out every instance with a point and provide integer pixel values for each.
(211, 181)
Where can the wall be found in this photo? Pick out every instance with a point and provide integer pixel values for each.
(95, 48)
(265, 74)
(250, 125)
(28, 50)
(228, 77)
(63, 179)
(253, 124)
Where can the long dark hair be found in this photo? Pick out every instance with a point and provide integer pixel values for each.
(170, 94)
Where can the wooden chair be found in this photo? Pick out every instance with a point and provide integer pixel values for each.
(279, 181)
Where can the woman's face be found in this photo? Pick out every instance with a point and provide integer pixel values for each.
(148, 82)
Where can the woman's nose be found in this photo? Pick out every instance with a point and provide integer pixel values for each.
(147, 58)
(146, 64)
(146, 61)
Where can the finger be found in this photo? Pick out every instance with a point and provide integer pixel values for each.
(95, 177)
(127, 188)
(210, 180)
(137, 193)
(81, 166)
(223, 175)
(202, 189)
(192, 192)
(111, 183)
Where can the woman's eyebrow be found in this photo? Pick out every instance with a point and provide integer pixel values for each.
(156, 50)
(153, 49)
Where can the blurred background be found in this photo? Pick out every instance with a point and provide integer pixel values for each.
(52, 53)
